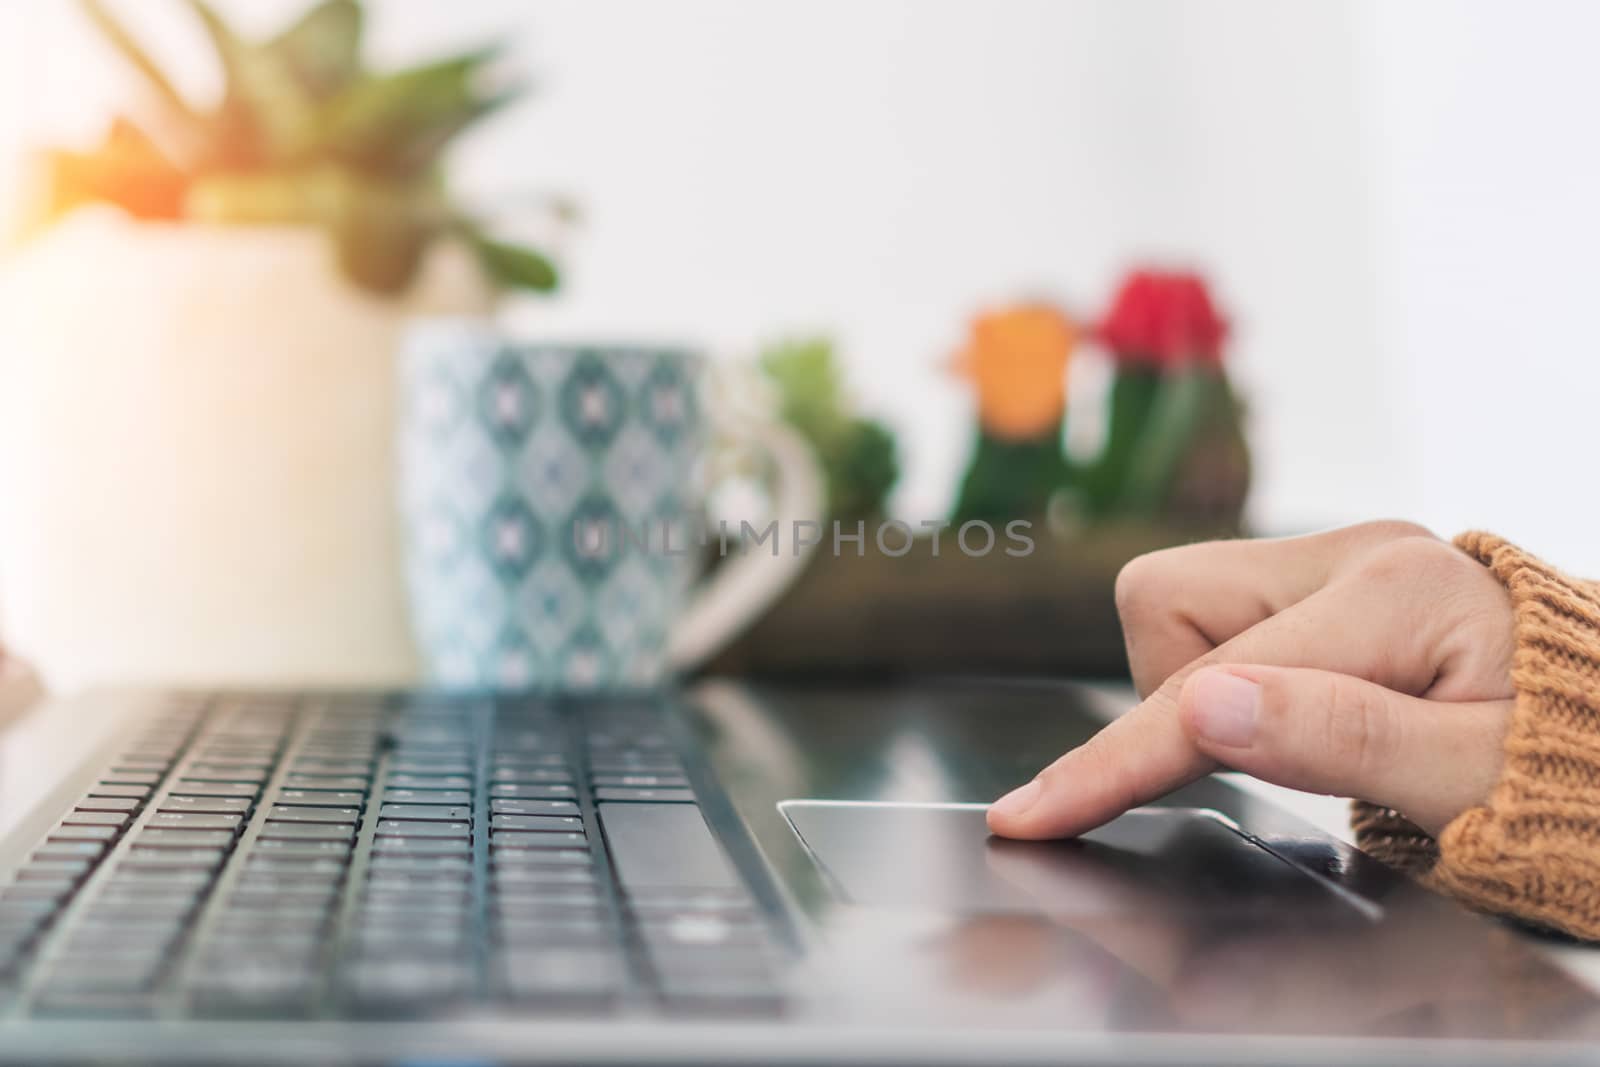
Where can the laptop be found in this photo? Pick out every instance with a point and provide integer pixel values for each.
(726, 874)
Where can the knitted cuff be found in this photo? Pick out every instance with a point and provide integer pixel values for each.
(1533, 851)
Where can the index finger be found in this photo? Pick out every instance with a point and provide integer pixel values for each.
(1146, 753)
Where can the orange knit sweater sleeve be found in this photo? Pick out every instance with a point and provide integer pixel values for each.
(1532, 851)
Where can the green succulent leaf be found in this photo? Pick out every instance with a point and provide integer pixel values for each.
(305, 135)
(516, 266)
(399, 123)
(858, 456)
(268, 115)
(324, 47)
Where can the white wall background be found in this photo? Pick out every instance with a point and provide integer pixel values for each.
(1397, 202)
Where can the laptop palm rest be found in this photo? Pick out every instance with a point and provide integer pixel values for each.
(1181, 863)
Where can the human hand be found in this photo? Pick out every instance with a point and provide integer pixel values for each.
(1371, 662)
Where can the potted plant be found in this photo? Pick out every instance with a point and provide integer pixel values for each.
(197, 339)
(1016, 359)
(1175, 447)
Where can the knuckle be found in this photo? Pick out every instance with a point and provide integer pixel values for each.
(1384, 530)
(1409, 560)
(1140, 583)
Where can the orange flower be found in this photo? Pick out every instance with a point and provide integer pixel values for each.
(1017, 357)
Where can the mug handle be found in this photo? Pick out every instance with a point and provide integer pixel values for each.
(749, 583)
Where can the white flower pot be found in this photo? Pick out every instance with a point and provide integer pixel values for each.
(197, 456)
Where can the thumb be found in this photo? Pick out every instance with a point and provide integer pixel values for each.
(1334, 733)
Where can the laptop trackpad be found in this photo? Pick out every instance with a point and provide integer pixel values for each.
(1152, 860)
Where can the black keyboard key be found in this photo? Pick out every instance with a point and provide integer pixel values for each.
(404, 982)
(647, 901)
(322, 798)
(65, 850)
(446, 881)
(341, 783)
(613, 767)
(286, 881)
(121, 908)
(331, 768)
(427, 812)
(428, 781)
(427, 796)
(458, 866)
(691, 931)
(415, 910)
(96, 818)
(143, 883)
(385, 939)
(24, 909)
(511, 806)
(93, 803)
(543, 791)
(183, 838)
(293, 849)
(644, 796)
(306, 831)
(130, 778)
(549, 823)
(231, 989)
(222, 772)
(183, 820)
(143, 761)
(530, 851)
(529, 775)
(205, 805)
(310, 898)
(236, 753)
(295, 813)
(48, 870)
(430, 767)
(250, 761)
(664, 845)
(259, 925)
(422, 846)
(82, 833)
(278, 865)
(409, 828)
(563, 976)
(552, 878)
(193, 788)
(642, 781)
(173, 859)
(541, 839)
(111, 789)
(535, 789)
(535, 776)
(523, 933)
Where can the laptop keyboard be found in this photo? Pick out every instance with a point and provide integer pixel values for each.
(334, 857)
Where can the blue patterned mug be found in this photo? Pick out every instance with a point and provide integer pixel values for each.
(551, 505)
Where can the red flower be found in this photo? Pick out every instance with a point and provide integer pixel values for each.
(1165, 319)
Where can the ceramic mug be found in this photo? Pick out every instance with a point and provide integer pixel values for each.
(551, 500)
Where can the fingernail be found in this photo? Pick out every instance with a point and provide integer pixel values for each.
(1225, 707)
(1018, 800)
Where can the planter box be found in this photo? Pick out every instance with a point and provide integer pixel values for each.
(1049, 613)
